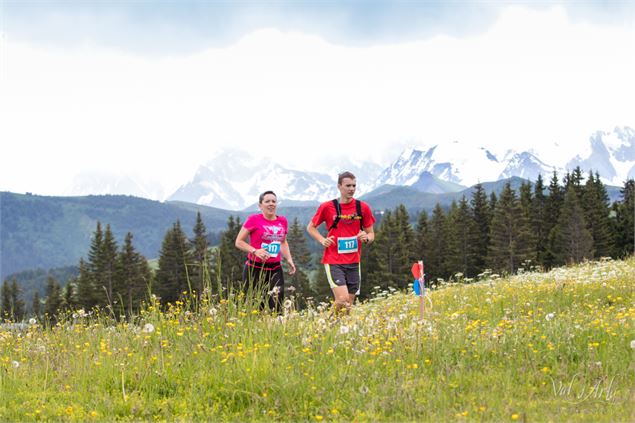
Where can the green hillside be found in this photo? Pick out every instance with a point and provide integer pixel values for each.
(46, 232)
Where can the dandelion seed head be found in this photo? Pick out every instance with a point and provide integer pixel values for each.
(550, 316)
(15, 364)
(148, 328)
(633, 344)
(32, 321)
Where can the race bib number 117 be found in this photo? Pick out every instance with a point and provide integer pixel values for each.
(347, 245)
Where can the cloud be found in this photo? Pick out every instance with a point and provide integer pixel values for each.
(532, 79)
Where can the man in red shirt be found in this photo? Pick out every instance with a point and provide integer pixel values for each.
(349, 223)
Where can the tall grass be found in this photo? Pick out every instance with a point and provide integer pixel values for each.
(534, 347)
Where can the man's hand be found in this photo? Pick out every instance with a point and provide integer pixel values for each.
(364, 237)
(327, 242)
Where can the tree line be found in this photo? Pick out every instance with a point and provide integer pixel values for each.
(538, 227)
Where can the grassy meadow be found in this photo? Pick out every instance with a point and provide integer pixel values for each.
(534, 347)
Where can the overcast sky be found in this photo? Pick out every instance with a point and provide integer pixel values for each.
(155, 88)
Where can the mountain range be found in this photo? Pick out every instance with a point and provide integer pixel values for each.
(232, 180)
(38, 231)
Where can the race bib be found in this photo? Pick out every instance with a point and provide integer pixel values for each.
(347, 245)
(273, 248)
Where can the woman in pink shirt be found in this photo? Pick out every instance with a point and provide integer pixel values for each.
(267, 233)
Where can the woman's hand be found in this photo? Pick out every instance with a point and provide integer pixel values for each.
(262, 254)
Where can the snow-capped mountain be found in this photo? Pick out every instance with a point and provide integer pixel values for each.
(233, 180)
(102, 182)
(527, 166)
(454, 162)
(611, 154)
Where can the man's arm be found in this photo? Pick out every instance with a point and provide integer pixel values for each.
(316, 235)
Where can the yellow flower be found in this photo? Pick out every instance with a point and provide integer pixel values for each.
(319, 418)
(515, 416)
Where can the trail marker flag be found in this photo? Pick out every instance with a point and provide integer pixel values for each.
(419, 285)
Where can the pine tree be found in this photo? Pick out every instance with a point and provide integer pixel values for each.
(69, 300)
(133, 277)
(463, 236)
(421, 236)
(453, 259)
(171, 278)
(6, 307)
(86, 287)
(625, 220)
(538, 219)
(573, 241)
(574, 179)
(53, 299)
(510, 240)
(526, 200)
(299, 284)
(595, 203)
(36, 305)
(200, 273)
(17, 304)
(482, 216)
(553, 204)
(406, 252)
(382, 258)
(105, 269)
(436, 260)
(231, 259)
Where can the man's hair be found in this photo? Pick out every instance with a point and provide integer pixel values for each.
(262, 196)
(343, 175)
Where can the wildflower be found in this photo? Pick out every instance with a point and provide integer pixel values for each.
(32, 321)
(344, 330)
(212, 311)
(287, 304)
(148, 328)
(319, 418)
(550, 316)
(291, 288)
(515, 416)
(633, 344)
(15, 364)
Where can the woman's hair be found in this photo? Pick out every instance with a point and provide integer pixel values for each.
(262, 196)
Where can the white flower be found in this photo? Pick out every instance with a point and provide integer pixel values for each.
(148, 328)
(344, 329)
(287, 304)
(15, 364)
(550, 316)
(32, 321)
(212, 311)
(633, 344)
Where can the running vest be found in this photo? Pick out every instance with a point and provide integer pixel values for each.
(338, 211)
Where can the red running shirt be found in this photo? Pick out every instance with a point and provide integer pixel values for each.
(348, 226)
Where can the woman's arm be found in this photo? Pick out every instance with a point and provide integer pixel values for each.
(286, 253)
(242, 244)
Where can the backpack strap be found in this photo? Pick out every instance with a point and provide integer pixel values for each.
(338, 214)
(358, 210)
